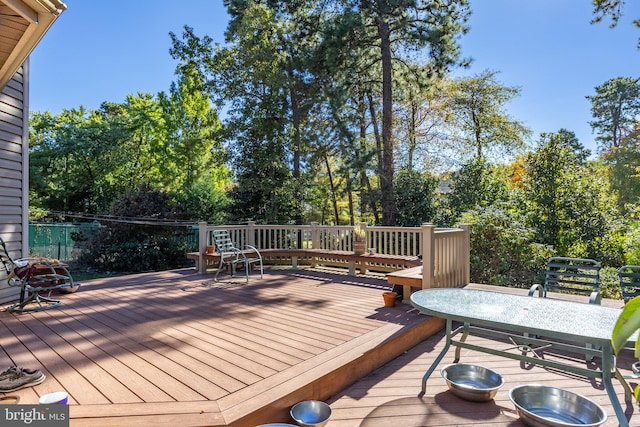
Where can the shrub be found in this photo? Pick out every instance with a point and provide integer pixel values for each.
(134, 242)
(502, 249)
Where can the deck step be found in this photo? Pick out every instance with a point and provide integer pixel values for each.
(326, 374)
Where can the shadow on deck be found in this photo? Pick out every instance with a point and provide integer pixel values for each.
(176, 348)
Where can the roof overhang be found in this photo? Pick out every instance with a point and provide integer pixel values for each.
(22, 25)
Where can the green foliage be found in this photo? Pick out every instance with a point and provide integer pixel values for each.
(202, 201)
(609, 283)
(623, 172)
(568, 199)
(612, 9)
(628, 324)
(503, 249)
(615, 108)
(476, 108)
(316, 96)
(476, 184)
(414, 198)
(81, 161)
(139, 244)
(73, 159)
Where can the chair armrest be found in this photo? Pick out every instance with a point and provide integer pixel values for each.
(43, 261)
(537, 287)
(252, 249)
(595, 298)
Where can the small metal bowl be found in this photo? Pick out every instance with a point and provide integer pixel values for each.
(472, 382)
(544, 406)
(311, 413)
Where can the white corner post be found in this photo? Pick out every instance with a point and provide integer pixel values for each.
(428, 255)
(202, 246)
(466, 256)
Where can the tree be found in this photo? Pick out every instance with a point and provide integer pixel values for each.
(73, 159)
(193, 149)
(81, 161)
(474, 186)
(422, 140)
(615, 108)
(260, 76)
(137, 240)
(394, 28)
(568, 200)
(611, 8)
(414, 198)
(624, 171)
(476, 108)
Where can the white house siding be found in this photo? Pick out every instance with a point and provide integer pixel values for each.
(14, 178)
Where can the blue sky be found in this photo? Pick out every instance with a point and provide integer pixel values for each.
(102, 51)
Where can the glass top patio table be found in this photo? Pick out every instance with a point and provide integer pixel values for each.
(578, 322)
(554, 319)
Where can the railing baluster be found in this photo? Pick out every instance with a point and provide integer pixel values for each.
(449, 260)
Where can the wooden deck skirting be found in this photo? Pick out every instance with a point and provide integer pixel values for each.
(326, 375)
(364, 262)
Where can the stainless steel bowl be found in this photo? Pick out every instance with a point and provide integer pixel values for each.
(472, 382)
(311, 413)
(544, 406)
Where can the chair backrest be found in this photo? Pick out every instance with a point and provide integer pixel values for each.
(572, 275)
(222, 241)
(629, 276)
(5, 258)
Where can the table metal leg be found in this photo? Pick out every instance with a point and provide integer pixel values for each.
(607, 363)
(463, 338)
(438, 359)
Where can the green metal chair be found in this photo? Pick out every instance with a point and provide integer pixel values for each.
(35, 276)
(231, 256)
(629, 276)
(571, 275)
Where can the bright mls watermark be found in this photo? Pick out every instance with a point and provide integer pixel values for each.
(34, 415)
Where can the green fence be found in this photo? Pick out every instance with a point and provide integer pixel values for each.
(66, 241)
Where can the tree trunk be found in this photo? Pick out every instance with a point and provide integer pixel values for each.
(376, 131)
(295, 114)
(386, 178)
(412, 134)
(366, 194)
(333, 189)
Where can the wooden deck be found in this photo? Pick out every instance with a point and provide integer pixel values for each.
(174, 348)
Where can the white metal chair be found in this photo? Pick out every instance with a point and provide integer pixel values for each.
(231, 256)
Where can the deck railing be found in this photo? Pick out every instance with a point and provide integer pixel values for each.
(444, 251)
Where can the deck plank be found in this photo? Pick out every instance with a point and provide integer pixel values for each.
(176, 348)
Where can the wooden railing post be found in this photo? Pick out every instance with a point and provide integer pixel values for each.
(202, 245)
(251, 233)
(428, 255)
(467, 252)
(315, 236)
(364, 226)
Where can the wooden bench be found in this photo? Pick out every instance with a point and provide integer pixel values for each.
(362, 262)
(404, 281)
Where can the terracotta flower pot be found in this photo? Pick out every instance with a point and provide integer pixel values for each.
(390, 298)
